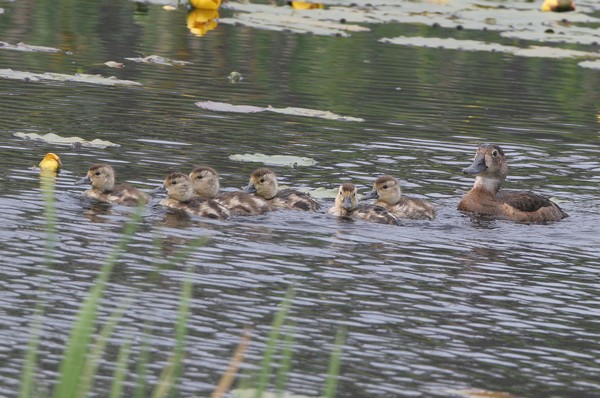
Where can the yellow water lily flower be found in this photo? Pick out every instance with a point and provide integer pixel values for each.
(304, 5)
(51, 162)
(200, 21)
(205, 4)
(558, 5)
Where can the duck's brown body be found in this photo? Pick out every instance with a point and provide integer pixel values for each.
(346, 205)
(386, 190)
(206, 184)
(486, 198)
(102, 178)
(180, 195)
(263, 183)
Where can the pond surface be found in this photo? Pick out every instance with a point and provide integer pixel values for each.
(429, 306)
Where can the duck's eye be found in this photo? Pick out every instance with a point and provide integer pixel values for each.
(262, 180)
(385, 187)
(97, 173)
(495, 153)
(173, 182)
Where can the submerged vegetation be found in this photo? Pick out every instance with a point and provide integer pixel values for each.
(88, 340)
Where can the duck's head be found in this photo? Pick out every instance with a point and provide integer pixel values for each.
(489, 166)
(101, 176)
(179, 187)
(346, 197)
(386, 189)
(205, 181)
(263, 183)
(50, 162)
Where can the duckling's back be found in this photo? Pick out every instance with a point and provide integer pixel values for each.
(208, 208)
(243, 204)
(412, 208)
(123, 194)
(374, 213)
(291, 199)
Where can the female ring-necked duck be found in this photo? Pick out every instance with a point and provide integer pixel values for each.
(386, 190)
(102, 178)
(180, 195)
(346, 205)
(491, 169)
(263, 183)
(205, 181)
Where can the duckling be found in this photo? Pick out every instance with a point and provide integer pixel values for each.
(263, 183)
(51, 162)
(558, 5)
(102, 178)
(490, 168)
(205, 181)
(180, 195)
(386, 190)
(346, 205)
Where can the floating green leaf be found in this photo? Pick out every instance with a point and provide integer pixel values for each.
(56, 139)
(78, 78)
(274, 160)
(157, 59)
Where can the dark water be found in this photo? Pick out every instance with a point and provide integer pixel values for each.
(455, 303)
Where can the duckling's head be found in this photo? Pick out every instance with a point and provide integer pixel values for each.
(263, 183)
(386, 189)
(489, 166)
(101, 176)
(179, 187)
(51, 162)
(346, 197)
(205, 181)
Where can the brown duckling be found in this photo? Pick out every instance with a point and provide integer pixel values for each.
(180, 195)
(346, 205)
(263, 183)
(386, 190)
(205, 181)
(491, 169)
(102, 178)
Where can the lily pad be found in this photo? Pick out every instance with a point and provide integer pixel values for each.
(321, 193)
(157, 59)
(274, 160)
(27, 47)
(474, 45)
(55, 139)
(590, 64)
(79, 78)
(225, 107)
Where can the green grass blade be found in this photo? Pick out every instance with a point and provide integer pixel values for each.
(120, 370)
(171, 373)
(335, 363)
(47, 187)
(93, 359)
(73, 363)
(286, 361)
(272, 340)
(140, 369)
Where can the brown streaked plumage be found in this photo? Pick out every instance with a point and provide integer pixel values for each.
(102, 178)
(180, 195)
(346, 205)
(263, 183)
(388, 193)
(491, 169)
(205, 181)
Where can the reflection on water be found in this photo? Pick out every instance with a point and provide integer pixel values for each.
(455, 303)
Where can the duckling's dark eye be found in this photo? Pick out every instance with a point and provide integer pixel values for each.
(495, 153)
(385, 187)
(97, 173)
(262, 180)
(199, 177)
(173, 182)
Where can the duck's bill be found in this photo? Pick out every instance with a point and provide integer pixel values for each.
(477, 166)
(160, 189)
(370, 195)
(250, 188)
(347, 203)
(84, 180)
